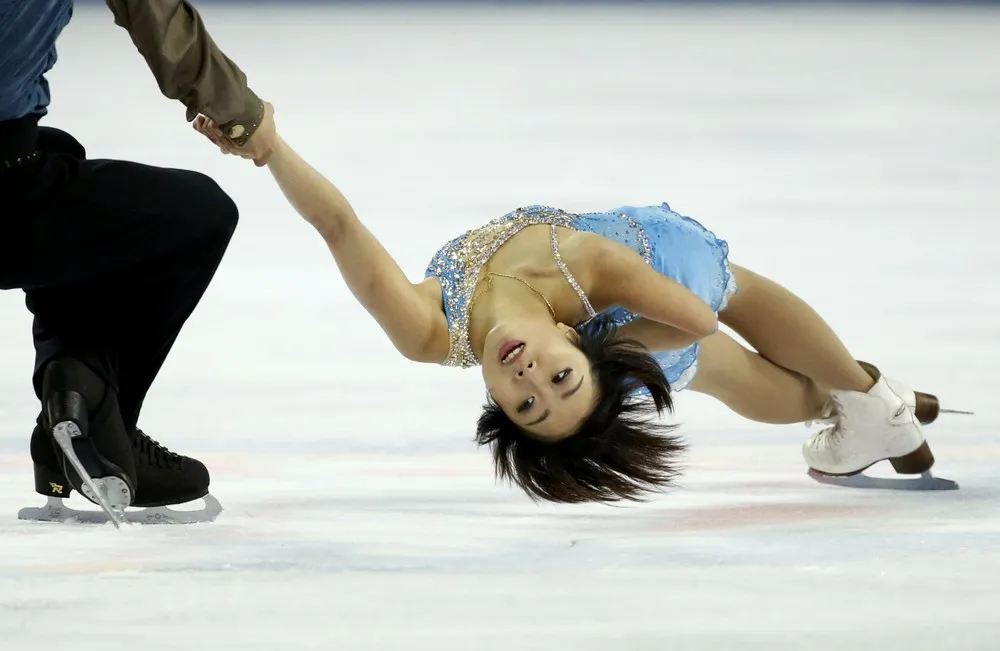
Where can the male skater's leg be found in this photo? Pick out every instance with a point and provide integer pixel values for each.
(114, 257)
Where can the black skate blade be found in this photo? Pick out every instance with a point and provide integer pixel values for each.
(55, 510)
(925, 482)
(956, 411)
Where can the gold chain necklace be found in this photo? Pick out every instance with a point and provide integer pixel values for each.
(489, 286)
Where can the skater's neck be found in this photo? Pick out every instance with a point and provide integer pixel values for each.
(516, 302)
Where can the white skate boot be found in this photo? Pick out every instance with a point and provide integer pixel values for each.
(871, 427)
(925, 406)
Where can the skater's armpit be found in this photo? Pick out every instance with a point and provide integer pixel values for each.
(623, 278)
(187, 64)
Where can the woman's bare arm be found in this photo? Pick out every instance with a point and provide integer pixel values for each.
(409, 314)
(657, 337)
(621, 277)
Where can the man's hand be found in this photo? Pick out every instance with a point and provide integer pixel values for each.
(258, 148)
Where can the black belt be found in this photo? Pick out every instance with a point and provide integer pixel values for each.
(11, 163)
(18, 142)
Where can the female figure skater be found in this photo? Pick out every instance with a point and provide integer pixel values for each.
(583, 325)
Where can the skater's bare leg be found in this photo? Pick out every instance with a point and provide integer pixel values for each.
(754, 387)
(786, 331)
(872, 424)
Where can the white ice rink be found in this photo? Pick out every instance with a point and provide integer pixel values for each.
(853, 155)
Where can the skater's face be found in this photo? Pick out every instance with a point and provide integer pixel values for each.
(539, 377)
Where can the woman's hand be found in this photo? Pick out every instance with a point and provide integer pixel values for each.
(258, 148)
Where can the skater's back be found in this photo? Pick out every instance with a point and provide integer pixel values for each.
(28, 33)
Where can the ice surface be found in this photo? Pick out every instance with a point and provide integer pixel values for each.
(852, 155)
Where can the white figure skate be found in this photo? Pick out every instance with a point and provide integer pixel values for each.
(871, 427)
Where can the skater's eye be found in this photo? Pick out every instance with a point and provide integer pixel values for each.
(526, 405)
(561, 375)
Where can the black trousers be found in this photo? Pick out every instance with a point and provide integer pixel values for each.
(113, 257)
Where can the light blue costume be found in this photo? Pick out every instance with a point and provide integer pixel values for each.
(676, 246)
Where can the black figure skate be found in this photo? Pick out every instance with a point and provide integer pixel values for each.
(164, 479)
(122, 470)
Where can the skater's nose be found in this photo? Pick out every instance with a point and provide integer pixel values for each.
(526, 371)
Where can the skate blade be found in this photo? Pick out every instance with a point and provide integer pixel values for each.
(956, 411)
(111, 493)
(55, 510)
(925, 482)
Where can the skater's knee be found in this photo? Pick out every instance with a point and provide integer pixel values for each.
(215, 212)
(752, 386)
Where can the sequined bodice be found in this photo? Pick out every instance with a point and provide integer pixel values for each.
(458, 265)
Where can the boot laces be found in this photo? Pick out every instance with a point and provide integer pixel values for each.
(153, 452)
(827, 416)
(834, 434)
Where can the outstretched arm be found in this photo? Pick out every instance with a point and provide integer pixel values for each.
(623, 278)
(410, 314)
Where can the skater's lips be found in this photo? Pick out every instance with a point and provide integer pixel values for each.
(508, 347)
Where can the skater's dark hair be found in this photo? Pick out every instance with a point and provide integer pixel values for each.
(619, 453)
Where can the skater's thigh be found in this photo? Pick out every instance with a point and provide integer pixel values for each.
(749, 303)
(103, 218)
(752, 386)
(754, 308)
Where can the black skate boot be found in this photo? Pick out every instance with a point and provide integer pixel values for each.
(163, 478)
(166, 477)
(87, 437)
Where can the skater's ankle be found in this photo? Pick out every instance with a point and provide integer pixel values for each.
(70, 373)
(864, 381)
(864, 385)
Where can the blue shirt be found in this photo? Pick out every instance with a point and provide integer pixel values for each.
(28, 33)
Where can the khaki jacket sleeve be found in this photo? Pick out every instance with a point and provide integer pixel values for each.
(187, 64)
